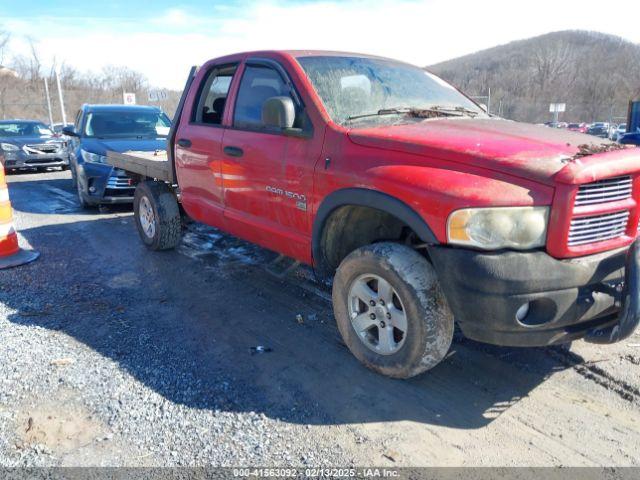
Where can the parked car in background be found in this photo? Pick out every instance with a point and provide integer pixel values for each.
(630, 138)
(599, 129)
(577, 127)
(57, 127)
(31, 144)
(120, 128)
(619, 132)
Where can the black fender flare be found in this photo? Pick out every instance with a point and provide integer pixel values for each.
(364, 197)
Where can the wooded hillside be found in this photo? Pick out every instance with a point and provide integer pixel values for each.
(594, 74)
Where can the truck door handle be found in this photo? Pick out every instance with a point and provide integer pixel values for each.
(233, 151)
(184, 142)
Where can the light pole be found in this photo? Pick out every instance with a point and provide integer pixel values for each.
(46, 91)
(64, 115)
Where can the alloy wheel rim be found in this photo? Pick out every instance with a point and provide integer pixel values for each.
(147, 217)
(377, 314)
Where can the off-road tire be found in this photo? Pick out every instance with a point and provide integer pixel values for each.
(168, 226)
(430, 322)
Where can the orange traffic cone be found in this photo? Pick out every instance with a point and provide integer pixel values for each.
(11, 255)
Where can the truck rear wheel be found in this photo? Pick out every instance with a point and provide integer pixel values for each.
(390, 310)
(157, 215)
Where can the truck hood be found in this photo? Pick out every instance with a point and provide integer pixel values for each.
(21, 141)
(101, 146)
(524, 150)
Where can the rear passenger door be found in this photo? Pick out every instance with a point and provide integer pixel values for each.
(266, 175)
(198, 150)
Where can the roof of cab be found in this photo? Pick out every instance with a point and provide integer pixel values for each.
(315, 53)
(294, 54)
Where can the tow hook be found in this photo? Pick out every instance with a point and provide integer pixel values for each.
(629, 315)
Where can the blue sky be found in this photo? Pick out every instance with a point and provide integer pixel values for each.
(108, 9)
(162, 38)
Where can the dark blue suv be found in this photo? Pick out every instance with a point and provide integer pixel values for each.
(120, 128)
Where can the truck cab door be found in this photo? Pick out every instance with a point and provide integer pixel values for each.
(267, 175)
(198, 145)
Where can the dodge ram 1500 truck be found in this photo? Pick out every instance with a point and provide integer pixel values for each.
(423, 208)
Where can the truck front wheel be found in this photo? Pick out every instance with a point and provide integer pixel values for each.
(157, 215)
(390, 310)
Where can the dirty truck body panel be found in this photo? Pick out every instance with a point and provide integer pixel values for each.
(283, 189)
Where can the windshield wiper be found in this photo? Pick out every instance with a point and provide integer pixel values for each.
(381, 112)
(458, 109)
(430, 112)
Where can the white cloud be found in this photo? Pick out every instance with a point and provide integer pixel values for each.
(174, 17)
(420, 32)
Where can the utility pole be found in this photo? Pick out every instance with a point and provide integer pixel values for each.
(489, 102)
(64, 115)
(46, 91)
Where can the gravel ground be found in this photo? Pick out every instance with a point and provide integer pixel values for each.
(114, 355)
(70, 396)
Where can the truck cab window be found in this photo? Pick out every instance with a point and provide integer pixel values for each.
(258, 84)
(213, 96)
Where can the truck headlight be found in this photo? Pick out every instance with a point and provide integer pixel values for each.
(520, 228)
(8, 147)
(93, 157)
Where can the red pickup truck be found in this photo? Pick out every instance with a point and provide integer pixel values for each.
(423, 208)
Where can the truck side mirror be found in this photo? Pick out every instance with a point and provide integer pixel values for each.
(279, 113)
(69, 131)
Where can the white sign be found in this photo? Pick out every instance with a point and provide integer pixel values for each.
(157, 95)
(557, 107)
(129, 98)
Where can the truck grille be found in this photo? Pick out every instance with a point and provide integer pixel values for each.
(42, 148)
(597, 228)
(118, 182)
(602, 191)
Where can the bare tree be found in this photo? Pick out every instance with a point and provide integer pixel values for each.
(593, 73)
(4, 44)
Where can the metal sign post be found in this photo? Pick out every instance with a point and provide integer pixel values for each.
(157, 95)
(557, 109)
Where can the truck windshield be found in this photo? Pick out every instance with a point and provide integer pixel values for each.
(24, 129)
(373, 90)
(127, 124)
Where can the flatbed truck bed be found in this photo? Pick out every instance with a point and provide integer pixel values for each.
(159, 164)
(154, 165)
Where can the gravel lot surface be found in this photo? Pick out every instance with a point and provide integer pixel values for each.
(114, 355)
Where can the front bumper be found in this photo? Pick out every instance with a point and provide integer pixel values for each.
(106, 185)
(568, 299)
(21, 159)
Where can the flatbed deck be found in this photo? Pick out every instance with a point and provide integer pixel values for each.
(147, 164)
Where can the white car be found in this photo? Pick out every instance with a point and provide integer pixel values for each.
(619, 131)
